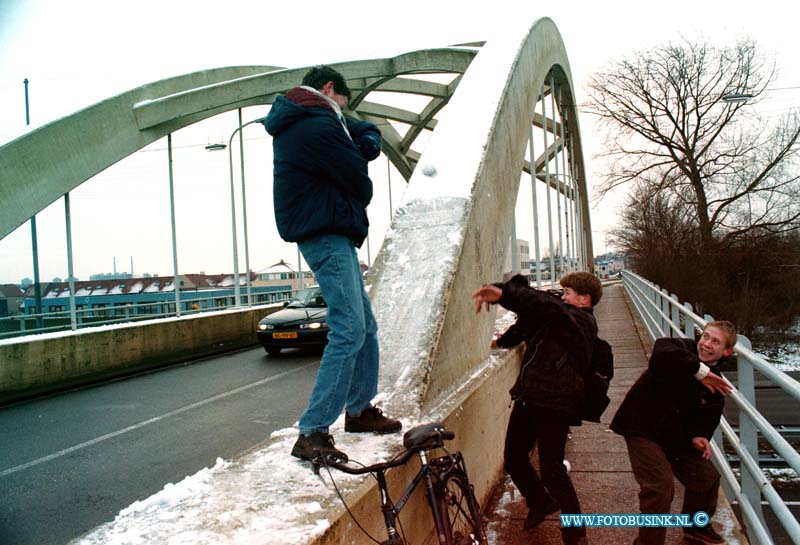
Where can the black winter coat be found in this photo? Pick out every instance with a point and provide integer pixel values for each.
(321, 182)
(559, 340)
(667, 404)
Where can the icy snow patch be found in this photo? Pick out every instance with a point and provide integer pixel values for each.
(455, 238)
(242, 502)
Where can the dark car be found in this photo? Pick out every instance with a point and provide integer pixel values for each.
(301, 324)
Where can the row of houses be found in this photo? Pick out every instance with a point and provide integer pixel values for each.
(153, 294)
(124, 296)
(11, 299)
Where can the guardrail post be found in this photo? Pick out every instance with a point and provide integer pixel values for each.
(643, 295)
(655, 298)
(666, 330)
(718, 440)
(642, 300)
(658, 305)
(676, 316)
(748, 434)
(688, 322)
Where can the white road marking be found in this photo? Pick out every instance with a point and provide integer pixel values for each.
(147, 422)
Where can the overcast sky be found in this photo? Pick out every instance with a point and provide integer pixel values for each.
(78, 53)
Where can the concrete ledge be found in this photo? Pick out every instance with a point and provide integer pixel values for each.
(266, 496)
(51, 362)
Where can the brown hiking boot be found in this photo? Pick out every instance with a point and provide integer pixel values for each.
(317, 445)
(371, 420)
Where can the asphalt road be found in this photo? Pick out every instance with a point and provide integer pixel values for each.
(71, 462)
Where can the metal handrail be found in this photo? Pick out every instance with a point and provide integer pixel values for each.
(752, 466)
(665, 316)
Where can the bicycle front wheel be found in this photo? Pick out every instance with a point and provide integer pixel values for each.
(460, 511)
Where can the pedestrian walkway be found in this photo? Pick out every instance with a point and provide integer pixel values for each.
(600, 470)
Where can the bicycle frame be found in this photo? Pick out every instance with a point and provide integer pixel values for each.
(435, 474)
(392, 510)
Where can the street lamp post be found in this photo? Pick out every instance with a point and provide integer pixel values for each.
(37, 287)
(215, 147)
(244, 211)
(176, 280)
(236, 291)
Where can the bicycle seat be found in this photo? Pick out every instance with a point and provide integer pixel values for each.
(426, 436)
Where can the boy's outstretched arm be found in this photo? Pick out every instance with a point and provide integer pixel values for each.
(486, 295)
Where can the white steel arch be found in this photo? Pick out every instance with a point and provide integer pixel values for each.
(41, 166)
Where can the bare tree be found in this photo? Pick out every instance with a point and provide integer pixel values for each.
(753, 280)
(656, 235)
(669, 124)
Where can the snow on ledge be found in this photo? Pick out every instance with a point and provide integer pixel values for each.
(266, 497)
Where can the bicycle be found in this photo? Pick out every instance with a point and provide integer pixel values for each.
(451, 498)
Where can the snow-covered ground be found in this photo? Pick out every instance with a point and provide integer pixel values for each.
(785, 355)
(782, 478)
(267, 493)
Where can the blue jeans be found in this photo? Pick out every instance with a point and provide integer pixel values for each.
(348, 372)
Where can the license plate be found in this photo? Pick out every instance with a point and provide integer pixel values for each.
(291, 335)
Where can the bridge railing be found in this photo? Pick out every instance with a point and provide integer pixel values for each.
(665, 316)
(94, 315)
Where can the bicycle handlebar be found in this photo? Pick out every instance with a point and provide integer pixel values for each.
(424, 437)
(404, 457)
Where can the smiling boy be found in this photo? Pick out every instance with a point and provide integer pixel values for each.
(668, 418)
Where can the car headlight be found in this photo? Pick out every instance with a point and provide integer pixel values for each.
(313, 325)
(263, 327)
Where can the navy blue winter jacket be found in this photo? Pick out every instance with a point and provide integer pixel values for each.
(321, 182)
